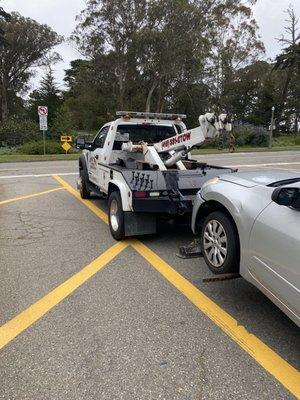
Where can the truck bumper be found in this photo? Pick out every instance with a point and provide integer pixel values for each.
(162, 206)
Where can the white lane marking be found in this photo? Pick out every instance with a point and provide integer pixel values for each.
(222, 157)
(262, 165)
(38, 176)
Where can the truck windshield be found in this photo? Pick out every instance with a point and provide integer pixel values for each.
(147, 133)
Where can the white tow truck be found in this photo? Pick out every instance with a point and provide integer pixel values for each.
(141, 162)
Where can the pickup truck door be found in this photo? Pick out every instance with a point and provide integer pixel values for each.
(275, 253)
(96, 155)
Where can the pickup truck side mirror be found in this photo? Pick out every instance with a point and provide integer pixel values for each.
(80, 143)
(287, 196)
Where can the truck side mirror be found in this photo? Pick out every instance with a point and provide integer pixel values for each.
(287, 196)
(80, 143)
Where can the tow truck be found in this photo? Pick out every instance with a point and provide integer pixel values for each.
(141, 162)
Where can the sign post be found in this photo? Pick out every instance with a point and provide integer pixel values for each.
(43, 116)
(271, 128)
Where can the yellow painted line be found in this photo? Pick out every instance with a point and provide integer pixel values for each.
(25, 319)
(287, 375)
(101, 214)
(29, 196)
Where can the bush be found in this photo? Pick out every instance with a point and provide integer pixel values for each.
(38, 148)
(297, 141)
(260, 139)
(7, 150)
(15, 131)
(243, 138)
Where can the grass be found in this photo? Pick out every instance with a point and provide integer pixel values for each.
(245, 149)
(4, 158)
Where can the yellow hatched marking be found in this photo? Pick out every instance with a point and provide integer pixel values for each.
(29, 196)
(25, 319)
(101, 214)
(285, 373)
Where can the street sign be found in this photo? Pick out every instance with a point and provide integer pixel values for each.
(43, 123)
(42, 110)
(66, 138)
(66, 146)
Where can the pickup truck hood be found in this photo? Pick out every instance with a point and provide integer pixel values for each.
(254, 178)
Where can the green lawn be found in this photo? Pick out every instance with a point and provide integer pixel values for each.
(63, 157)
(48, 157)
(244, 149)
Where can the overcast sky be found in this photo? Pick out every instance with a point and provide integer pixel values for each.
(60, 15)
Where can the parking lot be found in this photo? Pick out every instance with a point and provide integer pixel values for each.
(86, 317)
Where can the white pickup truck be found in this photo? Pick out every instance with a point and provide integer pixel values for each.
(141, 163)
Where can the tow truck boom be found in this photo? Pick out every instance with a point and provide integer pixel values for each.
(174, 149)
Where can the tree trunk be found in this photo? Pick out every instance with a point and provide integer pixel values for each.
(149, 97)
(284, 95)
(4, 104)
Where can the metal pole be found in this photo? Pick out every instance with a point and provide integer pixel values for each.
(271, 128)
(44, 139)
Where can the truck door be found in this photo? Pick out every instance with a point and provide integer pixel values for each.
(96, 155)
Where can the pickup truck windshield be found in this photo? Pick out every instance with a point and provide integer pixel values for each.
(147, 133)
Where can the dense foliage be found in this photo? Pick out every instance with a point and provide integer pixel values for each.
(189, 56)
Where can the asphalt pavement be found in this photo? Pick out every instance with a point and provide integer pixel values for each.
(85, 318)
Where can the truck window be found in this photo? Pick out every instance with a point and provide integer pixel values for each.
(101, 136)
(147, 133)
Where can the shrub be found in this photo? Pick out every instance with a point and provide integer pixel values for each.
(7, 150)
(297, 140)
(243, 138)
(260, 139)
(37, 147)
(15, 131)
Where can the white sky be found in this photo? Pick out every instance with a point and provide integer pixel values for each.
(60, 15)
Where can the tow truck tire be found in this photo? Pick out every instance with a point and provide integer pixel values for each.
(84, 191)
(219, 243)
(116, 216)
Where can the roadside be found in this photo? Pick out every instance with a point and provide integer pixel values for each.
(6, 158)
(245, 149)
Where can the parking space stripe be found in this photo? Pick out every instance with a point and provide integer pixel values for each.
(96, 210)
(29, 196)
(287, 375)
(25, 319)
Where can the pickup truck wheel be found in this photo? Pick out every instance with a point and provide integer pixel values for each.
(116, 216)
(84, 191)
(219, 241)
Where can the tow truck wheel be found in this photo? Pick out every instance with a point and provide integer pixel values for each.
(116, 216)
(219, 242)
(83, 185)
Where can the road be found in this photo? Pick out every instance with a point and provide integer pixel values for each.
(85, 318)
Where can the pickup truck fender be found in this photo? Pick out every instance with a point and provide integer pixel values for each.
(125, 193)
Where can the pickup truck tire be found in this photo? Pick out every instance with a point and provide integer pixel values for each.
(219, 243)
(84, 190)
(116, 216)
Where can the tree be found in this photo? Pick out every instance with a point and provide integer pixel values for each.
(47, 94)
(235, 43)
(63, 122)
(289, 62)
(28, 42)
(7, 17)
